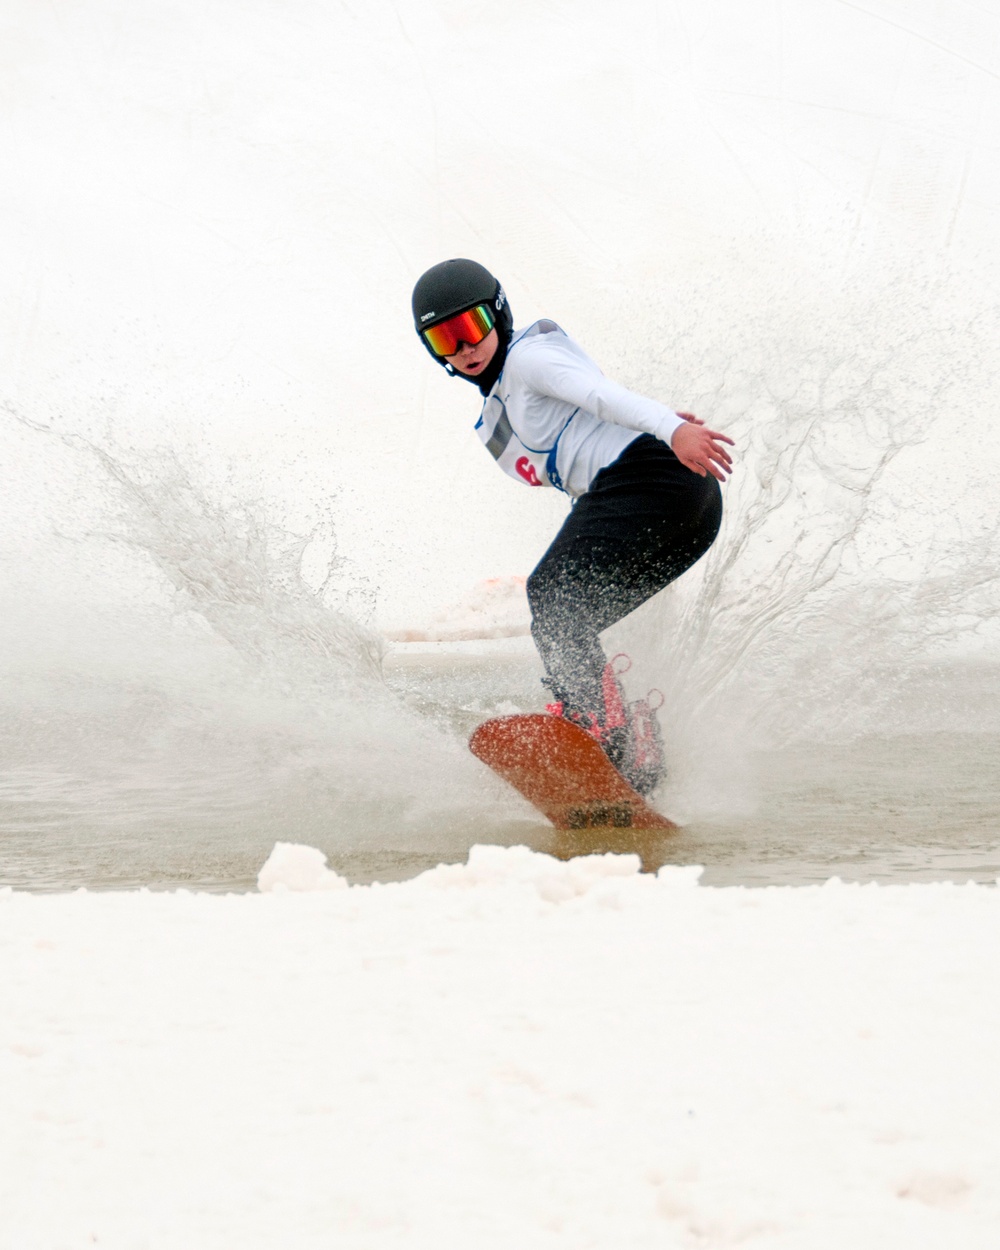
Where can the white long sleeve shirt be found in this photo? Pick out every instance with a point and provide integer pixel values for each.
(554, 419)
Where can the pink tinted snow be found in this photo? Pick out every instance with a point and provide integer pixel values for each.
(495, 608)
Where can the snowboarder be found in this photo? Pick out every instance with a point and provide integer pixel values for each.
(644, 480)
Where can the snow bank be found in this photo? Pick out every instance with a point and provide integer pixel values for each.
(514, 1052)
(494, 608)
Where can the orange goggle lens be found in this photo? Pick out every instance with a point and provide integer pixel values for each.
(469, 327)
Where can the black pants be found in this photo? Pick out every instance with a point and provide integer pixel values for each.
(643, 522)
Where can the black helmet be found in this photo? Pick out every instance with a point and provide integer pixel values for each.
(453, 286)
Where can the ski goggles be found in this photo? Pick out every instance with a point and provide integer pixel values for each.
(471, 327)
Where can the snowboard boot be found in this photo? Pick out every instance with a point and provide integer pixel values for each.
(634, 743)
(645, 765)
(629, 734)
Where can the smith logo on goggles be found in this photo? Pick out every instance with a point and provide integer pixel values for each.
(469, 327)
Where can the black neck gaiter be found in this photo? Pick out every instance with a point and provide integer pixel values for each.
(489, 375)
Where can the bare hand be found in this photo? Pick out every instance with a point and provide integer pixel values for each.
(700, 449)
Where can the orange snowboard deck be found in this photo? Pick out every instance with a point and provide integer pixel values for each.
(562, 770)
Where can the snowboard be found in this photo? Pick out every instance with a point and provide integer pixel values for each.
(561, 770)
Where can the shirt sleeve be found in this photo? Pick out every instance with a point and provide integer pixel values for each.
(551, 367)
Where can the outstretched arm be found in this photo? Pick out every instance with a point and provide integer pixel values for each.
(700, 449)
(551, 365)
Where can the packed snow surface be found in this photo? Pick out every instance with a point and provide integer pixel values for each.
(516, 1052)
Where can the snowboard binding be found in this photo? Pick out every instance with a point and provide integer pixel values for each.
(629, 733)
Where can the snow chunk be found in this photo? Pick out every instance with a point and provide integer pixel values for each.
(676, 877)
(292, 866)
(555, 880)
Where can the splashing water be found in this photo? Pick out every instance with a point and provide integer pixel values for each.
(854, 588)
(243, 706)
